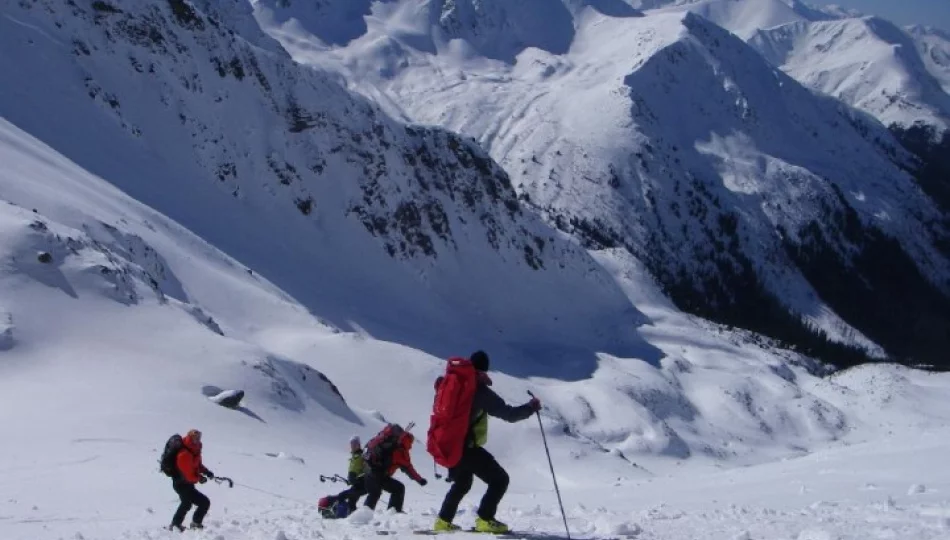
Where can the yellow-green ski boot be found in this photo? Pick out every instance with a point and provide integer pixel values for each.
(492, 527)
(442, 526)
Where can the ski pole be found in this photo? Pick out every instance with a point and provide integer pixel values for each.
(222, 479)
(272, 494)
(335, 478)
(447, 475)
(553, 476)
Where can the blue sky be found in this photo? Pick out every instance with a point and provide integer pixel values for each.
(903, 12)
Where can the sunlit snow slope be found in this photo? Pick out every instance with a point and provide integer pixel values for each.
(184, 210)
(114, 343)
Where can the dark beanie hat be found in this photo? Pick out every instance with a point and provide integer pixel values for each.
(479, 360)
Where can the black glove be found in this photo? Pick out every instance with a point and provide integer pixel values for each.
(535, 404)
(422, 481)
(209, 474)
(202, 480)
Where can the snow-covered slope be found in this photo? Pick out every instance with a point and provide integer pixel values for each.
(867, 62)
(114, 340)
(120, 317)
(934, 47)
(661, 134)
(745, 17)
(546, 310)
(370, 223)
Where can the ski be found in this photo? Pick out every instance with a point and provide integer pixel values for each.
(388, 533)
(428, 532)
(417, 531)
(510, 535)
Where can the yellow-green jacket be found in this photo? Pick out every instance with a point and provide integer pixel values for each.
(357, 466)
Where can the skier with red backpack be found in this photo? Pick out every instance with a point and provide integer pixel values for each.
(386, 453)
(457, 435)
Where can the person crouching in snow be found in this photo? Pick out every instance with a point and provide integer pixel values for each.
(190, 472)
(355, 476)
(383, 463)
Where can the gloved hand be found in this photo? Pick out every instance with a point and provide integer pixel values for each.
(202, 479)
(535, 404)
(422, 481)
(209, 474)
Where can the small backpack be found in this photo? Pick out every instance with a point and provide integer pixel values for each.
(331, 507)
(379, 450)
(168, 464)
(451, 409)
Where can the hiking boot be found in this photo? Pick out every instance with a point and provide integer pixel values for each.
(176, 527)
(492, 526)
(195, 525)
(444, 526)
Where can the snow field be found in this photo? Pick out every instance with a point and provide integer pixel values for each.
(133, 285)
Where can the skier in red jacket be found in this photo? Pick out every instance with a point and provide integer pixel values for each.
(190, 472)
(380, 478)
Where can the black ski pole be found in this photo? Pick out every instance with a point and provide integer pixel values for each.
(553, 476)
(335, 478)
(222, 479)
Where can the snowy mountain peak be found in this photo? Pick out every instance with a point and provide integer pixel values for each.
(745, 17)
(934, 47)
(612, 142)
(239, 143)
(488, 28)
(501, 30)
(868, 62)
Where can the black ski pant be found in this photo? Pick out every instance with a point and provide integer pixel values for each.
(189, 496)
(379, 481)
(478, 462)
(352, 495)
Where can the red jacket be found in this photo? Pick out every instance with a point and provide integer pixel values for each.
(402, 460)
(189, 460)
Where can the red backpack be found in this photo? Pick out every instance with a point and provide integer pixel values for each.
(449, 423)
(379, 450)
